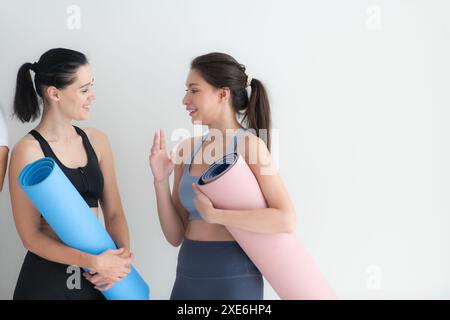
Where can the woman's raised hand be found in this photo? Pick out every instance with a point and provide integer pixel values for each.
(161, 163)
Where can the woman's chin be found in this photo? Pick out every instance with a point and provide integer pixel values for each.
(197, 122)
(83, 117)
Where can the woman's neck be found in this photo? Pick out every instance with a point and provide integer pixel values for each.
(225, 125)
(226, 131)
(55, 126)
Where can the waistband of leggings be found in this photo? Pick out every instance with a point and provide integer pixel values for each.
(214, 259)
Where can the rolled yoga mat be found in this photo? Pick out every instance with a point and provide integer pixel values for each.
(230, 184)
(55, 197)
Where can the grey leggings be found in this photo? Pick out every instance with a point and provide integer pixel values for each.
(216, 270)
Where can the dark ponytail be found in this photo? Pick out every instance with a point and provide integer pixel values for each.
(56, 67)
(26, 106)
(222, 70)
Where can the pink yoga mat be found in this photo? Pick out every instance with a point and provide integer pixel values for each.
(284, 262)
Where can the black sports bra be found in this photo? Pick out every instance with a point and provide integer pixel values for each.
(88, 180)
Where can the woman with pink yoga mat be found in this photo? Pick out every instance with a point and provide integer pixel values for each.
(211, 265)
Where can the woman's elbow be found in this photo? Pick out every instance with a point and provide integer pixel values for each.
(28, 244)
(176, 243)
(290, 222)
(30, 240)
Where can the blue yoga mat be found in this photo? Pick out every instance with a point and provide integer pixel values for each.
(55, 197)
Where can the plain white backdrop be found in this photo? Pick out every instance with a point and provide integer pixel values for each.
(359, 93)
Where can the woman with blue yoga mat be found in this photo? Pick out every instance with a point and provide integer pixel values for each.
(211, 265)
(63, 81)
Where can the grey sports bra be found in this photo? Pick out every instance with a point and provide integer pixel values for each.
(185, 191)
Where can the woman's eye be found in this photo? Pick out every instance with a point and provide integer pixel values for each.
(87, 89)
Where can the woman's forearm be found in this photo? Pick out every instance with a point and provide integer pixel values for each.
(53, 250)
(267, 220)
(171, 222)
(3, 164)
(117, 228)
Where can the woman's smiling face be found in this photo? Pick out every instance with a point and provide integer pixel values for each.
(75, 99)
(202, 100)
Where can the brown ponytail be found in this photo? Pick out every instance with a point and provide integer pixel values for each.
(257, 115)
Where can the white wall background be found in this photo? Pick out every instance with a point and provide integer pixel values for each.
(359, 91)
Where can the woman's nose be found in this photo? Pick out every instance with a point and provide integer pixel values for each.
(185, 100)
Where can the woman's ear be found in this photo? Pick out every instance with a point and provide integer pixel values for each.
(53, 93)
(224, 94)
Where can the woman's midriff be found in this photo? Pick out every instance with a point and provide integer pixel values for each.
(201, 230)
(47, 229)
